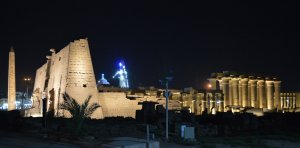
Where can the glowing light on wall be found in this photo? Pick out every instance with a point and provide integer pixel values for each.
(122, 75)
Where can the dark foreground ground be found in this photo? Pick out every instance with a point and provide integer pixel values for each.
(30, 140)
(270, 131)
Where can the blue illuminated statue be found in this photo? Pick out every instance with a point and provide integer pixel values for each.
(122, 76)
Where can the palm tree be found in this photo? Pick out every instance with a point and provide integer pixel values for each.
(78, 112)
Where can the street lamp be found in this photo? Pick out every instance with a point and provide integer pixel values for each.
(167, 94)
(27, 80)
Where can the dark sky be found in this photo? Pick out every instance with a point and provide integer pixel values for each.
(189, 40)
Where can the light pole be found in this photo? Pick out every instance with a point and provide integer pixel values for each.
(167, 94)
(27, 80)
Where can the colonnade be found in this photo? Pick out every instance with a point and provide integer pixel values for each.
(249, 92)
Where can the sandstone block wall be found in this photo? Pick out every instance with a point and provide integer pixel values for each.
(116, 104)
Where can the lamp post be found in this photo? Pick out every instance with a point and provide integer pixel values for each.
(167, 94)
(27, 80)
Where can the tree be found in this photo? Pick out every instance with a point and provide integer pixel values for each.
(78, 112)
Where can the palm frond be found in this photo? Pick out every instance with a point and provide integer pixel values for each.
(84, 106)
(70, 105)
(76, 110)
(91, 109)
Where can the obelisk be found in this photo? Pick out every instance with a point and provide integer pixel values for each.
(11, 94)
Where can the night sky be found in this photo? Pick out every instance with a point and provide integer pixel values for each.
(186, 40)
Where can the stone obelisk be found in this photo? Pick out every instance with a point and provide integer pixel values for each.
(11, 94)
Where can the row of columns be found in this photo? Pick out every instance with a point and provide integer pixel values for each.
(211, 102)
(247, 92)
(289, 101)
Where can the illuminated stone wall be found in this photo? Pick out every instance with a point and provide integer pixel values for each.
(40, 77)
(39, 85)
(81, 80)
(68, 71)
(57, 79)
(116, 104)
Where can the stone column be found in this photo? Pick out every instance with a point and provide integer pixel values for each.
(294, 101)
(253, 96)
(225, 89)
(221, 103)
(244, 99)
(285, 100)
(192, 105)
(290, 100)
(297, 99)
(218, 102)
(257, 96)
(261, 93)
(197, 104)
(213, 82)
(270, 94)
(282, 100)
(11, 91)
(230, 102)
(213, 102)
(220, 84)
(203, 102)
(208, 99)
(277, 100)
(235, 92)
(249, 94)
(240, 93)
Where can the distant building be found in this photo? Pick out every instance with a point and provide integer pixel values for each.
(103, 81)
(71, 71)
(201, 101)
(116, 101)
(290, 101)
(247, 91)
(229, 91)
(21, 102)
